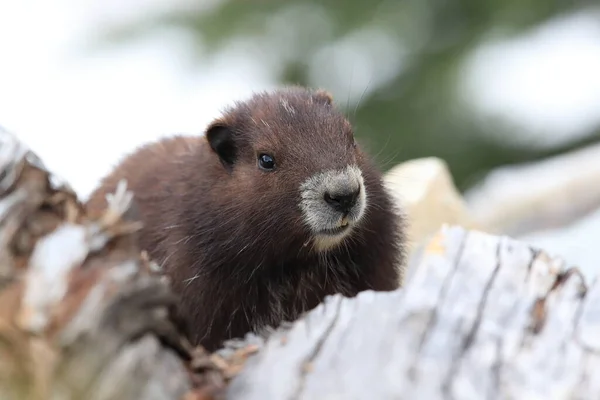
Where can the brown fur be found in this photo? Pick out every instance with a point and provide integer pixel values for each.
(231, 235)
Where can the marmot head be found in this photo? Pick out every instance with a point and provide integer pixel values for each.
(295, 165)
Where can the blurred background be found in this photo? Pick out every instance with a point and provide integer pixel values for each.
(495, 89)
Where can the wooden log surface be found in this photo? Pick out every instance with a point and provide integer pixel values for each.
(85, 315)
(480, 317)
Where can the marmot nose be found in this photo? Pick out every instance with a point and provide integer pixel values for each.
(342, 202)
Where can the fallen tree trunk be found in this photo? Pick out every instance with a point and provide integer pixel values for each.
(481, 317)
(85, 315)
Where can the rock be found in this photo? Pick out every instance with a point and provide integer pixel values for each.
(426, 190)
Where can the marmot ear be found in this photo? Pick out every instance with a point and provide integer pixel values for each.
(322, 96)
(220, 136)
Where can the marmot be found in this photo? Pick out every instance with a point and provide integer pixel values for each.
(257, 220)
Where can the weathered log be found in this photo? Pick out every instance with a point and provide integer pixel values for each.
(480, 317)
(83, 313)
(549, 194)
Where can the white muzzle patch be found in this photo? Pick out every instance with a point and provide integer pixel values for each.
(332, 203)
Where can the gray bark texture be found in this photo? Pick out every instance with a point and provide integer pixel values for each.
(480, 317)
(85, 315)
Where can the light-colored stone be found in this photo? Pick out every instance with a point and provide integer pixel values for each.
(425, 189)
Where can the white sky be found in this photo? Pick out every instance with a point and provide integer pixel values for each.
(81, 113)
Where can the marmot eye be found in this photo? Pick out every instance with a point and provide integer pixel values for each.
(265, 161)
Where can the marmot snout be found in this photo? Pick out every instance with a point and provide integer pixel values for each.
(333, 203)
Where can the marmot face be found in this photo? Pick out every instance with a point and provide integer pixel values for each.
(298, 161)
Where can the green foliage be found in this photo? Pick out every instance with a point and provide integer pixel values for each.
(418, 113)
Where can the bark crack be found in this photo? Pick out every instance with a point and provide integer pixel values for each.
(539, 311)
(497, 370)
(305, 365)
(412, 372)
(535, 253)
(468, 339)
(579, 315)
